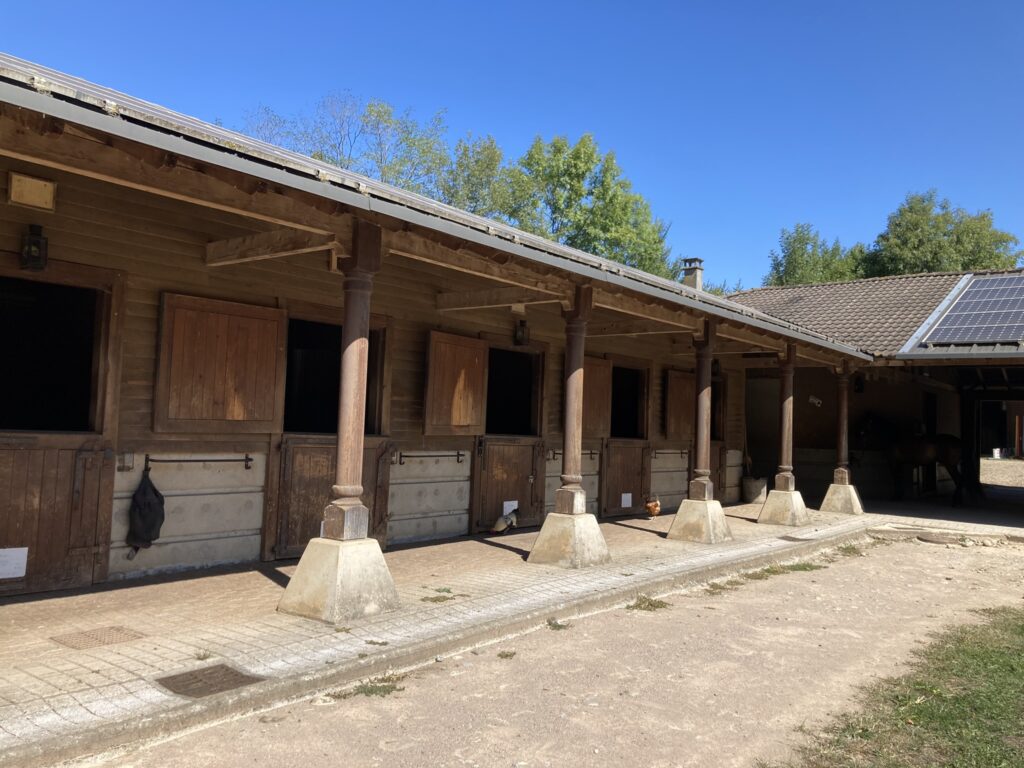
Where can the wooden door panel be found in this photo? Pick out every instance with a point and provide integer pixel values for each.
(508, 470)
(597, 397)
(308, 469)
(718, 468)
(56, 503)
(625, 469)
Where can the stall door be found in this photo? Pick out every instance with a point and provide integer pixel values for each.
(625, 477)
(718, 468)
(308, 465)
(54, 517)
(508, 474)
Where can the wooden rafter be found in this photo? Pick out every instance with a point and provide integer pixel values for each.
(267, 245)
(36, 139)
(490, 298)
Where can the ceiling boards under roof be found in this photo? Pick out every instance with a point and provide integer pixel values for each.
(990, 310)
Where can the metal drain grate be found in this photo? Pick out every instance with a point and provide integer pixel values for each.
(207, 681)
(94, 638)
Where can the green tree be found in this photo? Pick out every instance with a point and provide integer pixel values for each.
(926, 234)
(575, 195)
(475, 178)
(804, 256)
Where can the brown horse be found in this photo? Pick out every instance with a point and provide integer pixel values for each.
(904, 450)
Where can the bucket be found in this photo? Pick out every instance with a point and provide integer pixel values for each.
(755, 489)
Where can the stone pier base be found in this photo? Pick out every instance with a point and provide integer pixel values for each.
(570, 541)
(700, 520)
(340, 580)
(843, 500)
(784, 508)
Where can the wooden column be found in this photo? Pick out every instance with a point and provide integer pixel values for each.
(570, 498)
(784, 479)
(346, 517)
(841, 476)
(701, 486)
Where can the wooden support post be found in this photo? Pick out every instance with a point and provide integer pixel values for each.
(784, 479)
(701, 485)
(785, 505)
(572, 441)
(342, 574)
(346, 517)
(700, 517)
(841, 476)
(571, 538)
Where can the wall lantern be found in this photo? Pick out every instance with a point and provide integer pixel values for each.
(521, 333)
(33, 249)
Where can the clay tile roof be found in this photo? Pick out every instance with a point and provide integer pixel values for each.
(877, 314)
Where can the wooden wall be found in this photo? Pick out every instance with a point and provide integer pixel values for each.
(158, 246)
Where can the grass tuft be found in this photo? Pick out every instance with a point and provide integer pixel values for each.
(777, 570)
(849, 550)
(959, 705)
(381, 686)
(376, 642)
(506, 654)
(437, 598)
(557, 625)
(647, 603)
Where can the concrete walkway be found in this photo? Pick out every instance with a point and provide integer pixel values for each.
(78, 671)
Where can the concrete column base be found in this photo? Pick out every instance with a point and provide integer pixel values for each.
(843, 500)
(784, 508)
(340, 580)
(700, 520)
(569, 541)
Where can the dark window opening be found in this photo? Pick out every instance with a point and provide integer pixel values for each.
(313, 379)
(511, 392)
(717, 409)
(629, 393)
(48, 347)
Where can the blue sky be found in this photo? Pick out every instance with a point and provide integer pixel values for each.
(734, 118)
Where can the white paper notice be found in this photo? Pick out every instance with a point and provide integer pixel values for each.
(627, 500)
(13, 562)
(509, 506)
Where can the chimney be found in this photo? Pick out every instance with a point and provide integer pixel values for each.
(693, 273)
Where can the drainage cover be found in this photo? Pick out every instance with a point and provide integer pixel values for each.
(207, 681)
(94, 638)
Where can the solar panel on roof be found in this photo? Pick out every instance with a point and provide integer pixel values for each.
(990, 310)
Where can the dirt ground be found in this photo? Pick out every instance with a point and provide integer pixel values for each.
(715, 679)
(1008, 473)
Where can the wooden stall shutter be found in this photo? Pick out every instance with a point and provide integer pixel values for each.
(680, 405)
(456, 399)
(221, 368)
(597, 397)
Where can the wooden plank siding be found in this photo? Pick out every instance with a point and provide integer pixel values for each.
(158, 245)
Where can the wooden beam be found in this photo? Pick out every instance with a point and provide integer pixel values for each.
(267, 245)
(415, 246)
(33, 138)
(492, 297)
(629, 305)
(628, 328)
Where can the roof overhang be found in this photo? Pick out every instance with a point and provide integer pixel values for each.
(52, 93)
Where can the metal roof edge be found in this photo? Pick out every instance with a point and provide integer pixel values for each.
(937, 313)
(23, 93)
(959, 355)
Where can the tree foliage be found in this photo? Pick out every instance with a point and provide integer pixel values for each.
(571, 193)
(925, 234)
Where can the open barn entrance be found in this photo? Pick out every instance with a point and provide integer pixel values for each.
(308, 445)
(626, 458)
(48, 346)
(509, 471)
(56, 464)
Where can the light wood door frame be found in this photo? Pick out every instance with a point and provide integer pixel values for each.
(98, 444)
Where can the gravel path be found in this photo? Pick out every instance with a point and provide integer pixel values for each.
(720, 679)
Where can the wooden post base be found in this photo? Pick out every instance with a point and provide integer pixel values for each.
(700, 520)
(784, 508)
(842, 500)
(570, 541)
(337, 581)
